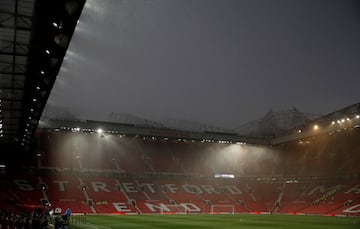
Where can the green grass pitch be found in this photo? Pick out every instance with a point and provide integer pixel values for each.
(238, 221)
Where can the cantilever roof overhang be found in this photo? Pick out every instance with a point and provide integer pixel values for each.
(34, 37)
(343, 119)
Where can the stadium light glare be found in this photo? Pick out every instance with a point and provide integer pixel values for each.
(226, 176)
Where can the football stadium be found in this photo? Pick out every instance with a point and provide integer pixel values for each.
(288, 169)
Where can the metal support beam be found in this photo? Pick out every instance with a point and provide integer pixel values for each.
(12, 54)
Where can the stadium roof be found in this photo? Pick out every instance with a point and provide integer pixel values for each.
(341, 120)
(34, 38)
(15, 32)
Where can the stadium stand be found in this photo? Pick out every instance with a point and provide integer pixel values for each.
(91, 194)
(125, 175)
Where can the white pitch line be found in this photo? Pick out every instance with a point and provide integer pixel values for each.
(95, 226)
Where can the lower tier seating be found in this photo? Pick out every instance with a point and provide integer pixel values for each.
(97, 194)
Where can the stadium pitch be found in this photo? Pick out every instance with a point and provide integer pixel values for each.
(217, 221)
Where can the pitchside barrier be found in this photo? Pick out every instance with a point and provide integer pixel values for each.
(173, 209)
(222, 209)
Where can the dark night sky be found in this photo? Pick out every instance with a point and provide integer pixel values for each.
(219, 62)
